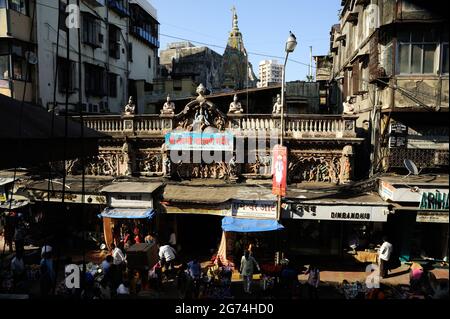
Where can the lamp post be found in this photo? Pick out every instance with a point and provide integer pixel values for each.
(291, 44)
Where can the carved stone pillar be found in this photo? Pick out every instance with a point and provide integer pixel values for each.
(346, 163)
(128, 156)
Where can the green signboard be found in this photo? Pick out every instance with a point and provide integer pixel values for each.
(434, 201)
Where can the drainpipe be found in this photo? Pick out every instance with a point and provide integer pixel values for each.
(374, 123)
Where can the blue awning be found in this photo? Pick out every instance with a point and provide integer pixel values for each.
(133, 213)
(249, 225)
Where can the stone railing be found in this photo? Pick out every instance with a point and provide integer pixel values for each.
(305, 126)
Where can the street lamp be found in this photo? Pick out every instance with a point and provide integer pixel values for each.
(291, 44)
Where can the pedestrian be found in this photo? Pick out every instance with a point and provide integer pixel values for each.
(19, 236)
(149, 239)
(18, 269)
(194, 269)
(173, 240)
(182, 281)
(106, 264)
(248, 264)
(313, 281)
(384, 255)
(155, 276)
(47, 274)
(118, 256)
(167, 256)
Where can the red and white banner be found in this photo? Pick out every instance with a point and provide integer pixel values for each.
(279, 170)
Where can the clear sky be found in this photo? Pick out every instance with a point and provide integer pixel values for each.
(265, 25)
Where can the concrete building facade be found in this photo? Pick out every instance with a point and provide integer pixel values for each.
(270, 73)
(119, 43)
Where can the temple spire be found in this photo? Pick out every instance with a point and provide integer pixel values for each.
(235, 19)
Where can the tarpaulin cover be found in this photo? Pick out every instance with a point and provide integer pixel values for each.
(133, 213)
(249, 225)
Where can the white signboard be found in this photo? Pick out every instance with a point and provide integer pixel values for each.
(338, 212)
(406, 194)
(255, 209)
(131, 200)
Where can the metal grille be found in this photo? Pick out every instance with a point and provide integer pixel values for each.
(422, 158)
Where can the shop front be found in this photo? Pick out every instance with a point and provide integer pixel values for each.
(130, 214)
(421, 215)
(335, 227)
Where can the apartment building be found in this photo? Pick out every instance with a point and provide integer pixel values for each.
(270, 73)
(17, 50)
(119, 45)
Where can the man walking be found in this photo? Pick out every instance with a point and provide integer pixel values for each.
(248, 263)
(384, 255)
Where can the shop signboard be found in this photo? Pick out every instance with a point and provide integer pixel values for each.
(337, 212)
(408, 193)
(432, 217)
(279, 170)
(254, 209)
(199, 141)
(435, 200)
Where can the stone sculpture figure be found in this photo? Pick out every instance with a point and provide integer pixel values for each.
(130, 108)
(167, 166)
(168, 107)
(348, 106)
(277, 106)
(235, 106)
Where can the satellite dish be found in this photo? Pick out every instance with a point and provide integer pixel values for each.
(411, 167)
(31, 57)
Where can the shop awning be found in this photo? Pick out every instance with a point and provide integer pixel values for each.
(232, 224)
(131, 213)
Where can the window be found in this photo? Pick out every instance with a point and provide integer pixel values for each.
(19, 63)
(444, 59)
(136, 197)
(149, 61)
(66, 75)
(114, 42)
(112, 81)
(417, 52)
(177, 85)
(4, 67)
(63, 16)
(148, 87)
(91, 31)
(95, 80)
(20, 6)
(130, 52)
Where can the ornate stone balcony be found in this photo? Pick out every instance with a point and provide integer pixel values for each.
(304, 126)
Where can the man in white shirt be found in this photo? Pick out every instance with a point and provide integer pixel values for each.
(167, 256)
(117, 254)
(384, 255)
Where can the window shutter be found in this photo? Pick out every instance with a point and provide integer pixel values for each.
(355, 77)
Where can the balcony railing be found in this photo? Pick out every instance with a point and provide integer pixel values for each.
(312, 127)
(144, 35)
(119, 8)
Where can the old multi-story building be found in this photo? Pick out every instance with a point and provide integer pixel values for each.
(390, 68)
(18, 50)
(119, 43)
(270, 73)
(182, 67)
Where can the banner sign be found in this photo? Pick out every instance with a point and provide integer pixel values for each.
(338, 212)
(254, 209)
(279, 170)
(198, 141)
